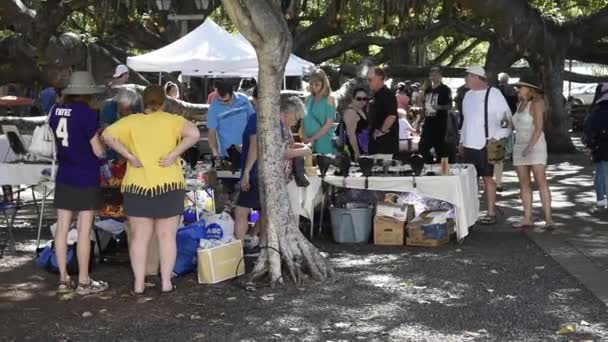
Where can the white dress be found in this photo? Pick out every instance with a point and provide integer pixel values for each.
(523, 123)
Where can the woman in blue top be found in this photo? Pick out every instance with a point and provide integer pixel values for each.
(320, 115)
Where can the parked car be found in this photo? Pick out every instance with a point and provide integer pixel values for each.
(583, 95)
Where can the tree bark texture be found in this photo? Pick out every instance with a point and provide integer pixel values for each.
(263, 24)
(499, 59)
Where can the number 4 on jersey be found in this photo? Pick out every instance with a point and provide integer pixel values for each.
(62, 131)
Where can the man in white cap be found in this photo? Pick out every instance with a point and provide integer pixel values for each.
(121, 75)
(476, 134)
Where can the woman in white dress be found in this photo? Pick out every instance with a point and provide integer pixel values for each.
(530, 150)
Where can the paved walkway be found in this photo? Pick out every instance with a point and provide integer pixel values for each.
(580, 242)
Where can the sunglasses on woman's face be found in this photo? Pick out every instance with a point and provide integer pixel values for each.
(362, 98)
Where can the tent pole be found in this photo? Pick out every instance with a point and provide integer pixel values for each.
(160, 78)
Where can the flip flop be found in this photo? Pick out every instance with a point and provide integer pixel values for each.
(138, 294)
(173, 289)
(488, 220)
(520, 225)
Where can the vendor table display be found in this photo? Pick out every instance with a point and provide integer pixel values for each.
(459, 188)
(24, 173)
(308, 197)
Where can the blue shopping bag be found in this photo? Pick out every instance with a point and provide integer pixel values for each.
(188, 240)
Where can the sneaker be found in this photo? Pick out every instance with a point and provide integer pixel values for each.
(603, 203)
(94, 286)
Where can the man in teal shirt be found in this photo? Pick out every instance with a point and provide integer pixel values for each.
(227, 118)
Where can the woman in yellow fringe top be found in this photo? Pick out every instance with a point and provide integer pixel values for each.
(154, 187)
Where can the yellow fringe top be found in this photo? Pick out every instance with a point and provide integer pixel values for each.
(150, 137)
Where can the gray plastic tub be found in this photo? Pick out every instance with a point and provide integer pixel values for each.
(352, 224)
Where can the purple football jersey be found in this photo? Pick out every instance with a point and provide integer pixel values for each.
(74, 125)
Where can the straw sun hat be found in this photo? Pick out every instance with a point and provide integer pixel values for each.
(530, 82)
(82, 83)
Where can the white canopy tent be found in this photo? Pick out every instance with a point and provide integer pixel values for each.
(210, 51)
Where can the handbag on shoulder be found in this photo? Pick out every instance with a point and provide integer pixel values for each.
(43, 140)
(495, 149)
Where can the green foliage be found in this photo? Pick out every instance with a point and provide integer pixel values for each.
(568, 9)
(386, 18)
(6, 34)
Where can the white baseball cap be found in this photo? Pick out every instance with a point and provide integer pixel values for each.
(477, 70)
(120, 70)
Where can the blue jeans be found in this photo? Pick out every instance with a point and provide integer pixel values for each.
(601, 180)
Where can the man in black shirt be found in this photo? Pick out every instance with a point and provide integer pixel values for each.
(437, 103)
(384, 133)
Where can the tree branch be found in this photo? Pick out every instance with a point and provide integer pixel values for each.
(325, 26)
(456, 58)
(592, 53)
(589, 28)
(448, 51)
(359, 39)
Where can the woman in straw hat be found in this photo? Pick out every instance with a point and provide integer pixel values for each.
(79, 152)
(530, 149)
(154, 185)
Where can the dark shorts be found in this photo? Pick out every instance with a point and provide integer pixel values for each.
(479, 158)
(165, 205)
(250, 199)
(77, 199)
(440, 146)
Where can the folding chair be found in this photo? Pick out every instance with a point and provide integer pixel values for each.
(9, 211)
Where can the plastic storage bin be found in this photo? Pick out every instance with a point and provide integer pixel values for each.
(352, 224)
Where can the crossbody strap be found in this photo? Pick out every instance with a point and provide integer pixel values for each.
(486, 114)
(48, 115)
(53, 146)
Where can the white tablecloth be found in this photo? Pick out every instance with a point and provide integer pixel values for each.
(22, 174)
(308, 197)
(461, 190)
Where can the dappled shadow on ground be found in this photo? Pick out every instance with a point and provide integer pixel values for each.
(497, 286)
(581, 223)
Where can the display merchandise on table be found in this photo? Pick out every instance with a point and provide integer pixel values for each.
(454, 187)
(112, 174)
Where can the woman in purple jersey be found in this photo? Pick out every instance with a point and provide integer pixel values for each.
(79, 151)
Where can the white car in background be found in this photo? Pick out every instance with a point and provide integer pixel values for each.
(583, 95)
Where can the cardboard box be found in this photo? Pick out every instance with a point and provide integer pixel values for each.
(402, 213)
(388, 231)
(430, 229)
(426, 243)
(220, 263)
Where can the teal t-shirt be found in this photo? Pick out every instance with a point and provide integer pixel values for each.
(317, 113)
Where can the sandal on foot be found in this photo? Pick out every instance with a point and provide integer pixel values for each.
(549, 227)
(138, 294)
(168, 292)
(94, 286)
(65, 285)
(488, 220)
(521, 225)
